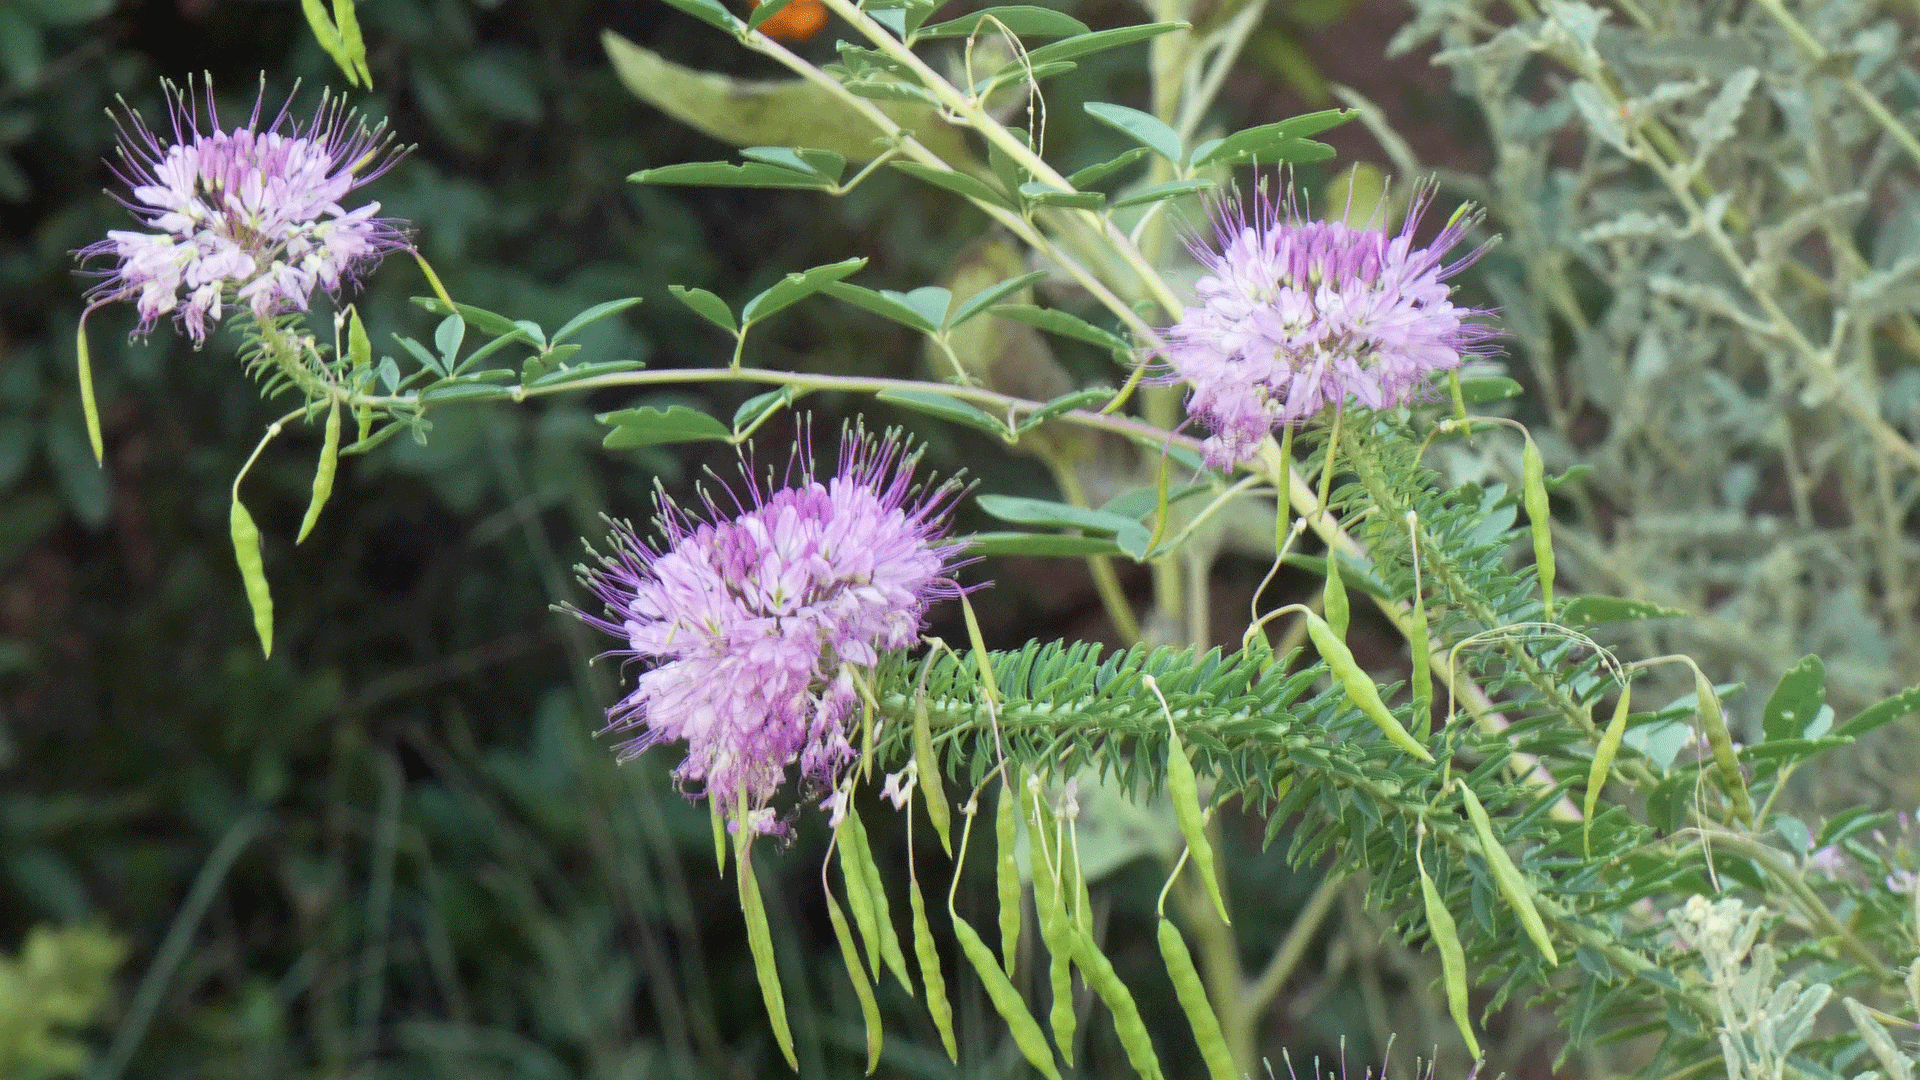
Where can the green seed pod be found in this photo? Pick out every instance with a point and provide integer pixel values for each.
(1334, 598)
(862, 988)
(719, 836)
(88, 408)
(876, 890)
(1183, 789)
(1193, 998)
(1603, 755)
(760, 944)
(1007, 875)
(1359, 686)
(323, 474)
(1056, 930)
(253, 572)
(1539, 521)
(932, 790)
(1507, 877)
(1721, 741)
(1006, 1000)
(924, 950)
(1127, 1024)
(1453, 959)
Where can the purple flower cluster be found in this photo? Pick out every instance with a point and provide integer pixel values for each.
(251, 215)
(751, 622)
(1296, 315)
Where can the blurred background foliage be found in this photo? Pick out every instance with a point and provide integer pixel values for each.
(396, 849)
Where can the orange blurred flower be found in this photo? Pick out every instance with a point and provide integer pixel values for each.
(798, 21)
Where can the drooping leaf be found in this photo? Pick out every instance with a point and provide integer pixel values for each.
(1022, 19)
(1144, 128)
(634, 428)
(946, 408)
(1289, 141)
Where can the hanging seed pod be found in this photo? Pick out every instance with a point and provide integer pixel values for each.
(938, 1007)
(1192, 992)
(1539, 521)
(1007, 875)
(1183, 789)
(1720, 740)
(760, 944)
(1507, 877)
(932, 791)
(1603, 755)
(1006, 1000)
(323, 474)
(1127, 1024)
(253, 570)
(862, 987)
(1360, 687)
(1334, 598)
(1453, 959)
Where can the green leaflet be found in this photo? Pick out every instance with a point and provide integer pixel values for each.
(1603, 760)
(924, 950)
(1360, 687)
(1453, 959)
(253, 571)
(1006, 1000)
(1193, 999)
(760, 943)
(1539, 520)
(1134, 1038)
(323, 474)
(862, 987)
(890, 952)
(1507, 877)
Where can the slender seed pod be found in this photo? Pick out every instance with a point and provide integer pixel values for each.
(1192, 993)
(1725, 762)
(253, 572)
(1453, 959)
(932, 791)
(1006, 1000)
(1056, 930)
(1603, 761)
(1127, 1024)
(1539, 521)
(1183, 789)
(858, 898)
(1507, 877)
(862, 988)
(360, 350)
(323, 474)
(1359, 686)
(1421, 641)
(1007, 874)
(1334, 597)
(924, 950)
(719, 835)
(88, 408)
(760, 944)
(890, 953)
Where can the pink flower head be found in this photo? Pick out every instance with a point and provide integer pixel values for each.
(750, 621)
(1296, 315)
(251, 215)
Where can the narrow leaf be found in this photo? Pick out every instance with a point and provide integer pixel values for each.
(884, 303)
(1055, 321)
(1886, 712)
(1100, 40)
(957, 182)
(796, 287)
(946, 408)
(1022, 19)
(1099, 171)
(649, 426)
(980, 301)
(707, 306)
(750, 174)
(592, 315)
(1049, 545)
(1172, 189)
(1593, 610)
(1144, 128)
(1285, 141)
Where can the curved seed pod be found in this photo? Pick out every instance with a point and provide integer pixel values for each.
(1334, 598)
(719, 836)
(858, 898)
(1193, 998)
(1533, 493)
(1056, 930)
(1453, 959)
(1359, 686)
(938, 1007)
(1507, 877)
(1007, 874)
(760, 944)
(1099, 973)
(1421, 680)
(862, 988)
(323, 474)
(1183, 789)
(1006, 1000)
(88, 407)
(932, 791)
(1724, 760)
(1603, 761)
(253, 571)
(890, 953)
